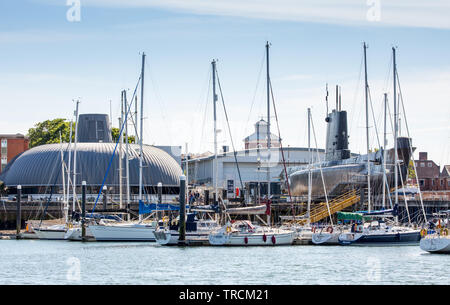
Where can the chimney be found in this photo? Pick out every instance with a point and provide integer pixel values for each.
(423, 156)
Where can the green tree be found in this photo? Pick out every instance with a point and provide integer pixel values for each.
(115, 135)
(47, 132)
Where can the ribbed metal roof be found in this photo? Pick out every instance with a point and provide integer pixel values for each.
(41, 166)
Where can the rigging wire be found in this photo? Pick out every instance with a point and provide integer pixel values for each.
(281, 148)
(229, 130)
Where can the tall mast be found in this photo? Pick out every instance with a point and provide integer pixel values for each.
(70, 161)
(141, 131)
(66, 208)
(127, 165)
(215, 167)
(367, 126)
(309, 166)
(120, 155)
(268, 126)
(384, 151)
(74, 180)
(395, 127)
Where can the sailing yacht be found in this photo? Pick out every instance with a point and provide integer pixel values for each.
(437, 241)
(129, 230)
(197, 231)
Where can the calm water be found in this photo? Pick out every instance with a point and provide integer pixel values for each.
(60, 262)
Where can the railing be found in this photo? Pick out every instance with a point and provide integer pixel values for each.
(336, 204)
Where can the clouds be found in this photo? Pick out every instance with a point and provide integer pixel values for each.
(413, 13)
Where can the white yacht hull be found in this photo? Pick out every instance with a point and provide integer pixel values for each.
(326, 238)
(129, 232)
(50, 233)
(435, 244)
(170, 238)
(231, 239)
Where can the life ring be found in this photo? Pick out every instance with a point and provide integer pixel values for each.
(228, 229)
(423, 232)
(444, 232)
(264, 237)
(246, 240)
(330, 229)
(274, 240)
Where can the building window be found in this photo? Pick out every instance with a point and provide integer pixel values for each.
(432, 182)
(4, 162)
(442, 182)
(430, 164)
(421, 182)
(4, 151)
(422, 164)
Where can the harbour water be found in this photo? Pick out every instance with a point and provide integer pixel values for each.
(60, 262)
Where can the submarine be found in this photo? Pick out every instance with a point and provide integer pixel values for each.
(343, 171)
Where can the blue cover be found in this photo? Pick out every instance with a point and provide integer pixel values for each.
(145, 208)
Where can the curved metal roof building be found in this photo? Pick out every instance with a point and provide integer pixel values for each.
(41, 166)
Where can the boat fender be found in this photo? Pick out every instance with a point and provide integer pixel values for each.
(274, 240)
(330, 229)
(228, 229)
(69, 225)
(313, 229)
(264, 237)
(423, 232)
(246, 240)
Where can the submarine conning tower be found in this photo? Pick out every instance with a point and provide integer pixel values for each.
(94, 128)
(337, 136)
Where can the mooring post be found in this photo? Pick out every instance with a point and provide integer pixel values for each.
(159, 198)
(105, 194)
(83, 210)
(182, 222)
(18, 211)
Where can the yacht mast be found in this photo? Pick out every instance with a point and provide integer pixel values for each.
(395, 127)
(70, 161)
(268, 127)
(367, 127)
(141, 131)
(127, 165)
(384, 152)
(120, 154)
(309, 166)
(215, 167)
(74, 182)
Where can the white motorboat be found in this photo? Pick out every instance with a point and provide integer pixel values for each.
(244, 233)
(125, 231)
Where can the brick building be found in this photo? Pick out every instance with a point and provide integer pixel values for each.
(11, 145)
(430, 176)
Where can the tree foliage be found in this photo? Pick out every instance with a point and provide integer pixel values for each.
(48, 132)
(115, 135)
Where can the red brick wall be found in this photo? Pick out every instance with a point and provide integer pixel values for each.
(16, 146)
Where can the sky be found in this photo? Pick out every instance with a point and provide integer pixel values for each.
(55, 51)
